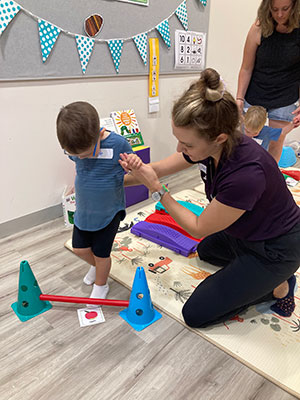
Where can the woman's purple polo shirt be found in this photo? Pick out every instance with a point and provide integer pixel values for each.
(251, 180)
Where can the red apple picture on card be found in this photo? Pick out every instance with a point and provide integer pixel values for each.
(90, 316)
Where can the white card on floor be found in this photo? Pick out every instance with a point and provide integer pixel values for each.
(90, 316)
(291, 181)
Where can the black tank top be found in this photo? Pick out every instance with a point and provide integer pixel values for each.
(276, 75)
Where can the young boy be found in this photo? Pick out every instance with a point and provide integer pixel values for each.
(271, 139)
(100, 201)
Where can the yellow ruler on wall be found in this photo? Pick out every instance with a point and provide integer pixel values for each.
(154, 75)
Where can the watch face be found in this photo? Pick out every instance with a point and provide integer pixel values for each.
(156, 196)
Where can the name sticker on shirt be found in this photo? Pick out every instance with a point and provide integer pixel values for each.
(259, 141)
(106, 153)
(202, 168)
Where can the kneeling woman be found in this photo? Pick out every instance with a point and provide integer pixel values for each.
(252, 223)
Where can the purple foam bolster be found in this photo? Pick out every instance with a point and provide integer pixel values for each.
(166, 237)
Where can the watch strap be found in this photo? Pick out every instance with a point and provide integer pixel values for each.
(163, 190)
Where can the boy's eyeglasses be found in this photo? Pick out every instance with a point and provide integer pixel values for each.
(89, 154)
(83, 155)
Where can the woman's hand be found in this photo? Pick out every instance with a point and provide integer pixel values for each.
(144, 173)
(240, 104)
(130, 161)
(296, 120)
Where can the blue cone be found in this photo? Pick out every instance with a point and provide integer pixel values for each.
(287, 158)
(140, 312)
(29, 304)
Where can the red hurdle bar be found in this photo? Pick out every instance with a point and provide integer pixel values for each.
(85, 300)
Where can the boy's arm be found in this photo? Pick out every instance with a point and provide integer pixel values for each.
(288, 128)
(275, 147)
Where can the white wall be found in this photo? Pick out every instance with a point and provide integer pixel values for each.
(33, 169)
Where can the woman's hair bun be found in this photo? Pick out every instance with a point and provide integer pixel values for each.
(211, 85)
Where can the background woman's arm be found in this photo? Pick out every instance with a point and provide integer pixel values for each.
(249, 55)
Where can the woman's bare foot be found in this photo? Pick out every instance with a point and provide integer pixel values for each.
(281, 291)
(285, 303)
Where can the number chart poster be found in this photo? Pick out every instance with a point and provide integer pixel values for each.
(190, 50)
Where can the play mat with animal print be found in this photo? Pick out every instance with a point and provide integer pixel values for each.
(264, 341)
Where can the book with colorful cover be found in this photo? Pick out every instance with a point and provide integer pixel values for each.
(127, 126)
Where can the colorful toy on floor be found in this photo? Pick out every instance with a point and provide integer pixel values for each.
(295, 174)
(31, 302)
(165, 219)
(190, 206)
(165, 236)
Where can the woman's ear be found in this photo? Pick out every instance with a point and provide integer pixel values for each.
(222, 138)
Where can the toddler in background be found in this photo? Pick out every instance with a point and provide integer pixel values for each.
(271, 139)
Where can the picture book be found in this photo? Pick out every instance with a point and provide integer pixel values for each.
(126, 125)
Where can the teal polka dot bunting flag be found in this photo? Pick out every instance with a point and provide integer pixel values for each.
(48, 35)
(204, 2)
(115, 47)
(182, 15)
(141, 44)
(164, 29)
(85, 47)
(8, 10)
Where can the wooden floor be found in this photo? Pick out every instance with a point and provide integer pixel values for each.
(51, 358)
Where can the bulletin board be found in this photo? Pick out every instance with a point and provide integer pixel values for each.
(118, 49)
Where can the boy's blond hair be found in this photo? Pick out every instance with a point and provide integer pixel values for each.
(255, 118)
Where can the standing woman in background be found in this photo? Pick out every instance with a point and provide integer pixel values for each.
(270, 71)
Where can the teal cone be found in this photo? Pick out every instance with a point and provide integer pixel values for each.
(29, 304)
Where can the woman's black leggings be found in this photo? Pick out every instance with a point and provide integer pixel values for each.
(249, 273)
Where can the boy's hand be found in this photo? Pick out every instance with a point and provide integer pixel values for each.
(287, 129)
(130, 161)
(143, 173)
(296, 120)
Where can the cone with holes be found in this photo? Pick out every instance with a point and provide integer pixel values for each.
(29, 304)
(140, 312)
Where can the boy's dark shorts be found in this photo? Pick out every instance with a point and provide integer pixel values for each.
(99, 241)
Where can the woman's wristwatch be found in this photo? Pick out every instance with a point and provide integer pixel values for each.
(157, 196)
